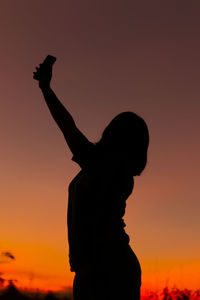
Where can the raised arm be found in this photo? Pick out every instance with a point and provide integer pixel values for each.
(73, 136)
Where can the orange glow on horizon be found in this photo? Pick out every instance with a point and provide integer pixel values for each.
(42, 268)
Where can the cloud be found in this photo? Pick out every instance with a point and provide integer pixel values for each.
(6, 256)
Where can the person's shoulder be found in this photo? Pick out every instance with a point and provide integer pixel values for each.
(86, 155)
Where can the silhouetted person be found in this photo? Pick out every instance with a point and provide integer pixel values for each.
(105, 266)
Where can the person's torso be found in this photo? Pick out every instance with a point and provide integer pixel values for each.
(96, 207)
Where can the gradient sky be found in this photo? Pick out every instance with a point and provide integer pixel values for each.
(112, 56)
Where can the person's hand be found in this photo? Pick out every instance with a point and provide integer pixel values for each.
(43, 74)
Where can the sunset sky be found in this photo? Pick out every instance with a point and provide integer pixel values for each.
(112, 56)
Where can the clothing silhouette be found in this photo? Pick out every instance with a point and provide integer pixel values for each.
(105, 266)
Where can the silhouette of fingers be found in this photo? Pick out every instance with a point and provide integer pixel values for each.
(35, 75)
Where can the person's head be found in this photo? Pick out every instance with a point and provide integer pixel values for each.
(127, 136)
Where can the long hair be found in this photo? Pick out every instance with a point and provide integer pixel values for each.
(127, 134)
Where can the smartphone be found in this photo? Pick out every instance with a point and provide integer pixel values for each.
(49, 60)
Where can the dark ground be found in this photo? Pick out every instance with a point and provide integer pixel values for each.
(12, 293)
